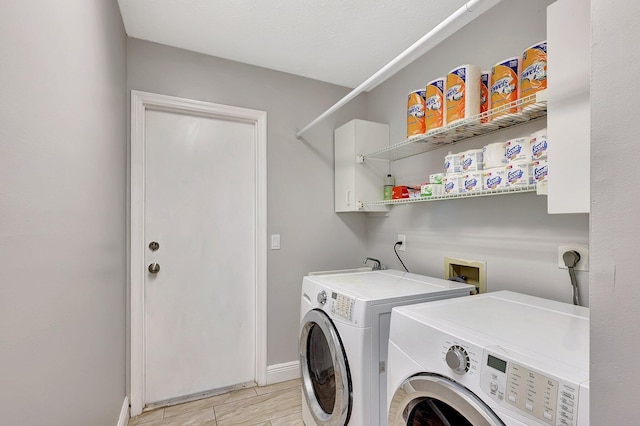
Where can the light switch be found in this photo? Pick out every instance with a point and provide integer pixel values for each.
(275, 242)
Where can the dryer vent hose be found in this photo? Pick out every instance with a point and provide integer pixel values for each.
(571, 259)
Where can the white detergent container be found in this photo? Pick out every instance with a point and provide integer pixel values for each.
(493, 155)
(471, 160)
(452, 164)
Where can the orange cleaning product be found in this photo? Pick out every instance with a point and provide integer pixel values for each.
(462, 96)
(415, 113)
(534, 69)
(434, 107)
(504, 86)
(484, 94)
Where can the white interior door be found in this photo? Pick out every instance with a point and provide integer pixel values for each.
(199, 190)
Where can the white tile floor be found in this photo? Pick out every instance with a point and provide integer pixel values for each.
(274, 405)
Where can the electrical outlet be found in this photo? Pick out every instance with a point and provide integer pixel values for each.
(583, 264)
(403, 246)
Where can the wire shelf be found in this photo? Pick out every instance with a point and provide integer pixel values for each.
(473, 194)
(531, 108)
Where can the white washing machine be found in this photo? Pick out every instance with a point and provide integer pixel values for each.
(344, 335)
(498, 358)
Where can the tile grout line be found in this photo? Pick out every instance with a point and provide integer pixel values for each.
(275, 389)
(215, 415)
(273, 416)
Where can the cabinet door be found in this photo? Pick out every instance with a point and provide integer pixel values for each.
(569, 111)
(358, 182)
(344, 161)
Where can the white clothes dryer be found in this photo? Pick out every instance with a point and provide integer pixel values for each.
(344, 333)
(499, 358)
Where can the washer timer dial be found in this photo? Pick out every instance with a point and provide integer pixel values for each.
(458, 359)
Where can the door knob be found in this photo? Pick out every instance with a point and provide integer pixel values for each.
(154, 268)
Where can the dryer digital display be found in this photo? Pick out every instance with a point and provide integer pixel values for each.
(497, 363)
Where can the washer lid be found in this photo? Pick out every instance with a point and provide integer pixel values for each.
(522, 323)
(387, 284)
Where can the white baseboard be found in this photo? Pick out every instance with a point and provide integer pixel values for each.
(124, 413)
(282, 372)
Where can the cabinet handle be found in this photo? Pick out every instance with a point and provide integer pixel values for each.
(348, 197)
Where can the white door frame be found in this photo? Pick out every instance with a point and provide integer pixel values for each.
(140, 102)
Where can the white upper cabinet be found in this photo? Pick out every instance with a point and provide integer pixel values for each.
(359, 181)
(568, 121)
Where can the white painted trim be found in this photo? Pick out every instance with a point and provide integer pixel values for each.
(124, 413)
(140, 102)
(282, 372)
(261, 248)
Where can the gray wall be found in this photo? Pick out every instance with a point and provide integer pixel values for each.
(615, 230)
(62, 203)
(512, 233)
(62, 212)
(299, 174)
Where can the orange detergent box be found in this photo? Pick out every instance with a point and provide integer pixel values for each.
(534, 69)
(400, 192)
(415, 113)
(462, 95)
(484, 93)
(504, 86)
(434, 106)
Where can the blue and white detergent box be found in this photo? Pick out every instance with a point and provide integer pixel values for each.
(494, 178)
(452, 164)
(471, 160)
(471, 182)
(540, 170)
(539, 145)
(519, 174)
(518, 149)
(451, 184)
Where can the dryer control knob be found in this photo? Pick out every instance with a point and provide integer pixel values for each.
(457, 359)
(322, 297)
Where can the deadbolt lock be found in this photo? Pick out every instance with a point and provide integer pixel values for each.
(153, 245)
(154, 268)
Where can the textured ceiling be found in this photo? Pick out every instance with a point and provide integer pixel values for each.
(338, 41)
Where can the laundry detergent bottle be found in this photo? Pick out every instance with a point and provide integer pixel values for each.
(389, 183)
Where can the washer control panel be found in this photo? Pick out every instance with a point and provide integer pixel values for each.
(342, 306)
(529, 392)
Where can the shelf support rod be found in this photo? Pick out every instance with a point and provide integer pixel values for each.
(444, 29)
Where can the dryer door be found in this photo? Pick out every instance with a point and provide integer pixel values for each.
(428, 399)
(326, 380)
